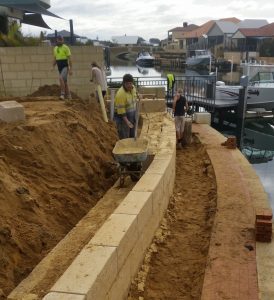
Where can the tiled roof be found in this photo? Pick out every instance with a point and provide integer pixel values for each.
(184, 29)
(203, 29)
(264, 31)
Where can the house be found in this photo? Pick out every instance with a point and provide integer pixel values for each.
(197, 38)
(27, 11)
(250, 39)
(177, 34)
(154, 42)
(221, 33)
(65, 34)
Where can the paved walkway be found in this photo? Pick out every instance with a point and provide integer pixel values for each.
(234, 257)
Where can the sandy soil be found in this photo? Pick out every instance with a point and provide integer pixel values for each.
(53, 168)
(175, 263)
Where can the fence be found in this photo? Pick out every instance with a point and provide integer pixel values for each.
(199, 90)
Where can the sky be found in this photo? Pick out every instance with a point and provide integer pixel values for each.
(145, 18)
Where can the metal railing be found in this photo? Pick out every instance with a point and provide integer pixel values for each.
(199, 89)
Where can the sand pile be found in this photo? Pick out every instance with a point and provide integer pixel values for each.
(51, 90)
(53, 169)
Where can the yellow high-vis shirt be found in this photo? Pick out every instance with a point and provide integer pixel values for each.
(125, 101)
(61, 52)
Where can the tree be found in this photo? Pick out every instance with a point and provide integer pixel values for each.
(4, 24)
(15, 38)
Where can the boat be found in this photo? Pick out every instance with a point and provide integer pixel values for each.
(258, 140)
(199, 59)
(145, 59)
(143, 70)
(260, 88)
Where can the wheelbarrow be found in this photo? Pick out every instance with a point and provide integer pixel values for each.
(130, 154)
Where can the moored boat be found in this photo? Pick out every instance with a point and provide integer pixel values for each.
(260, 89)
(199, 59)
(145, 59)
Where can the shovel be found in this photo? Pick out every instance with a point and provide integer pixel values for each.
(137, 111)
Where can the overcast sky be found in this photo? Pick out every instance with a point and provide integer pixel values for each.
(146, 18)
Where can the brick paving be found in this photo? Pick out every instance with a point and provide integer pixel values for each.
(231, 271)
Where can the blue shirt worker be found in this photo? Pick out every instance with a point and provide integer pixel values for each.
(62, 58)
(125, 108)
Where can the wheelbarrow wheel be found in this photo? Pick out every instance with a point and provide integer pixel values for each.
(135, 177)
(135, 169)
(122, 181)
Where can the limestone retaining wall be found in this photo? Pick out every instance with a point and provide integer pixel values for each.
(110, 260)
(107, 264)
(24, 69)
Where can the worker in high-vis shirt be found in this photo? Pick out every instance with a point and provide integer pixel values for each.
(125, 108)
(170, 84)
(62, 58)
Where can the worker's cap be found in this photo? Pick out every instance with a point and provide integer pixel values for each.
(128, 78)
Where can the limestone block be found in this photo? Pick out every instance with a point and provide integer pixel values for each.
(149, 233)
(120, 286)
(11, 111)
(18, 83)
(202, 118)
(17, 67)
(64, 296)
(118, 231)
(139, 204)
(159, 92)
(167, 142)
(151, 183)
(91, 273)
(6, 59)
(158, 166)
(150, 105)
(136, 256)
(23, 296)
(38, 58)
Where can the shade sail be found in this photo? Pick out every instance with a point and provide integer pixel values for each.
(35, 20)
(30, 8)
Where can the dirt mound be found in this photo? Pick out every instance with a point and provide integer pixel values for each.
(50, 90)
(53, 168)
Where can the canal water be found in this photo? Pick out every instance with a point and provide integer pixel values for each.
(257, 136)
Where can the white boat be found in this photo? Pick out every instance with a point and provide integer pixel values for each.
(260, 89)
(143, 70)
(199, 59)
(145, 59)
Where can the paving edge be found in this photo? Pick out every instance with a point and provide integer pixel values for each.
(232, 273)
